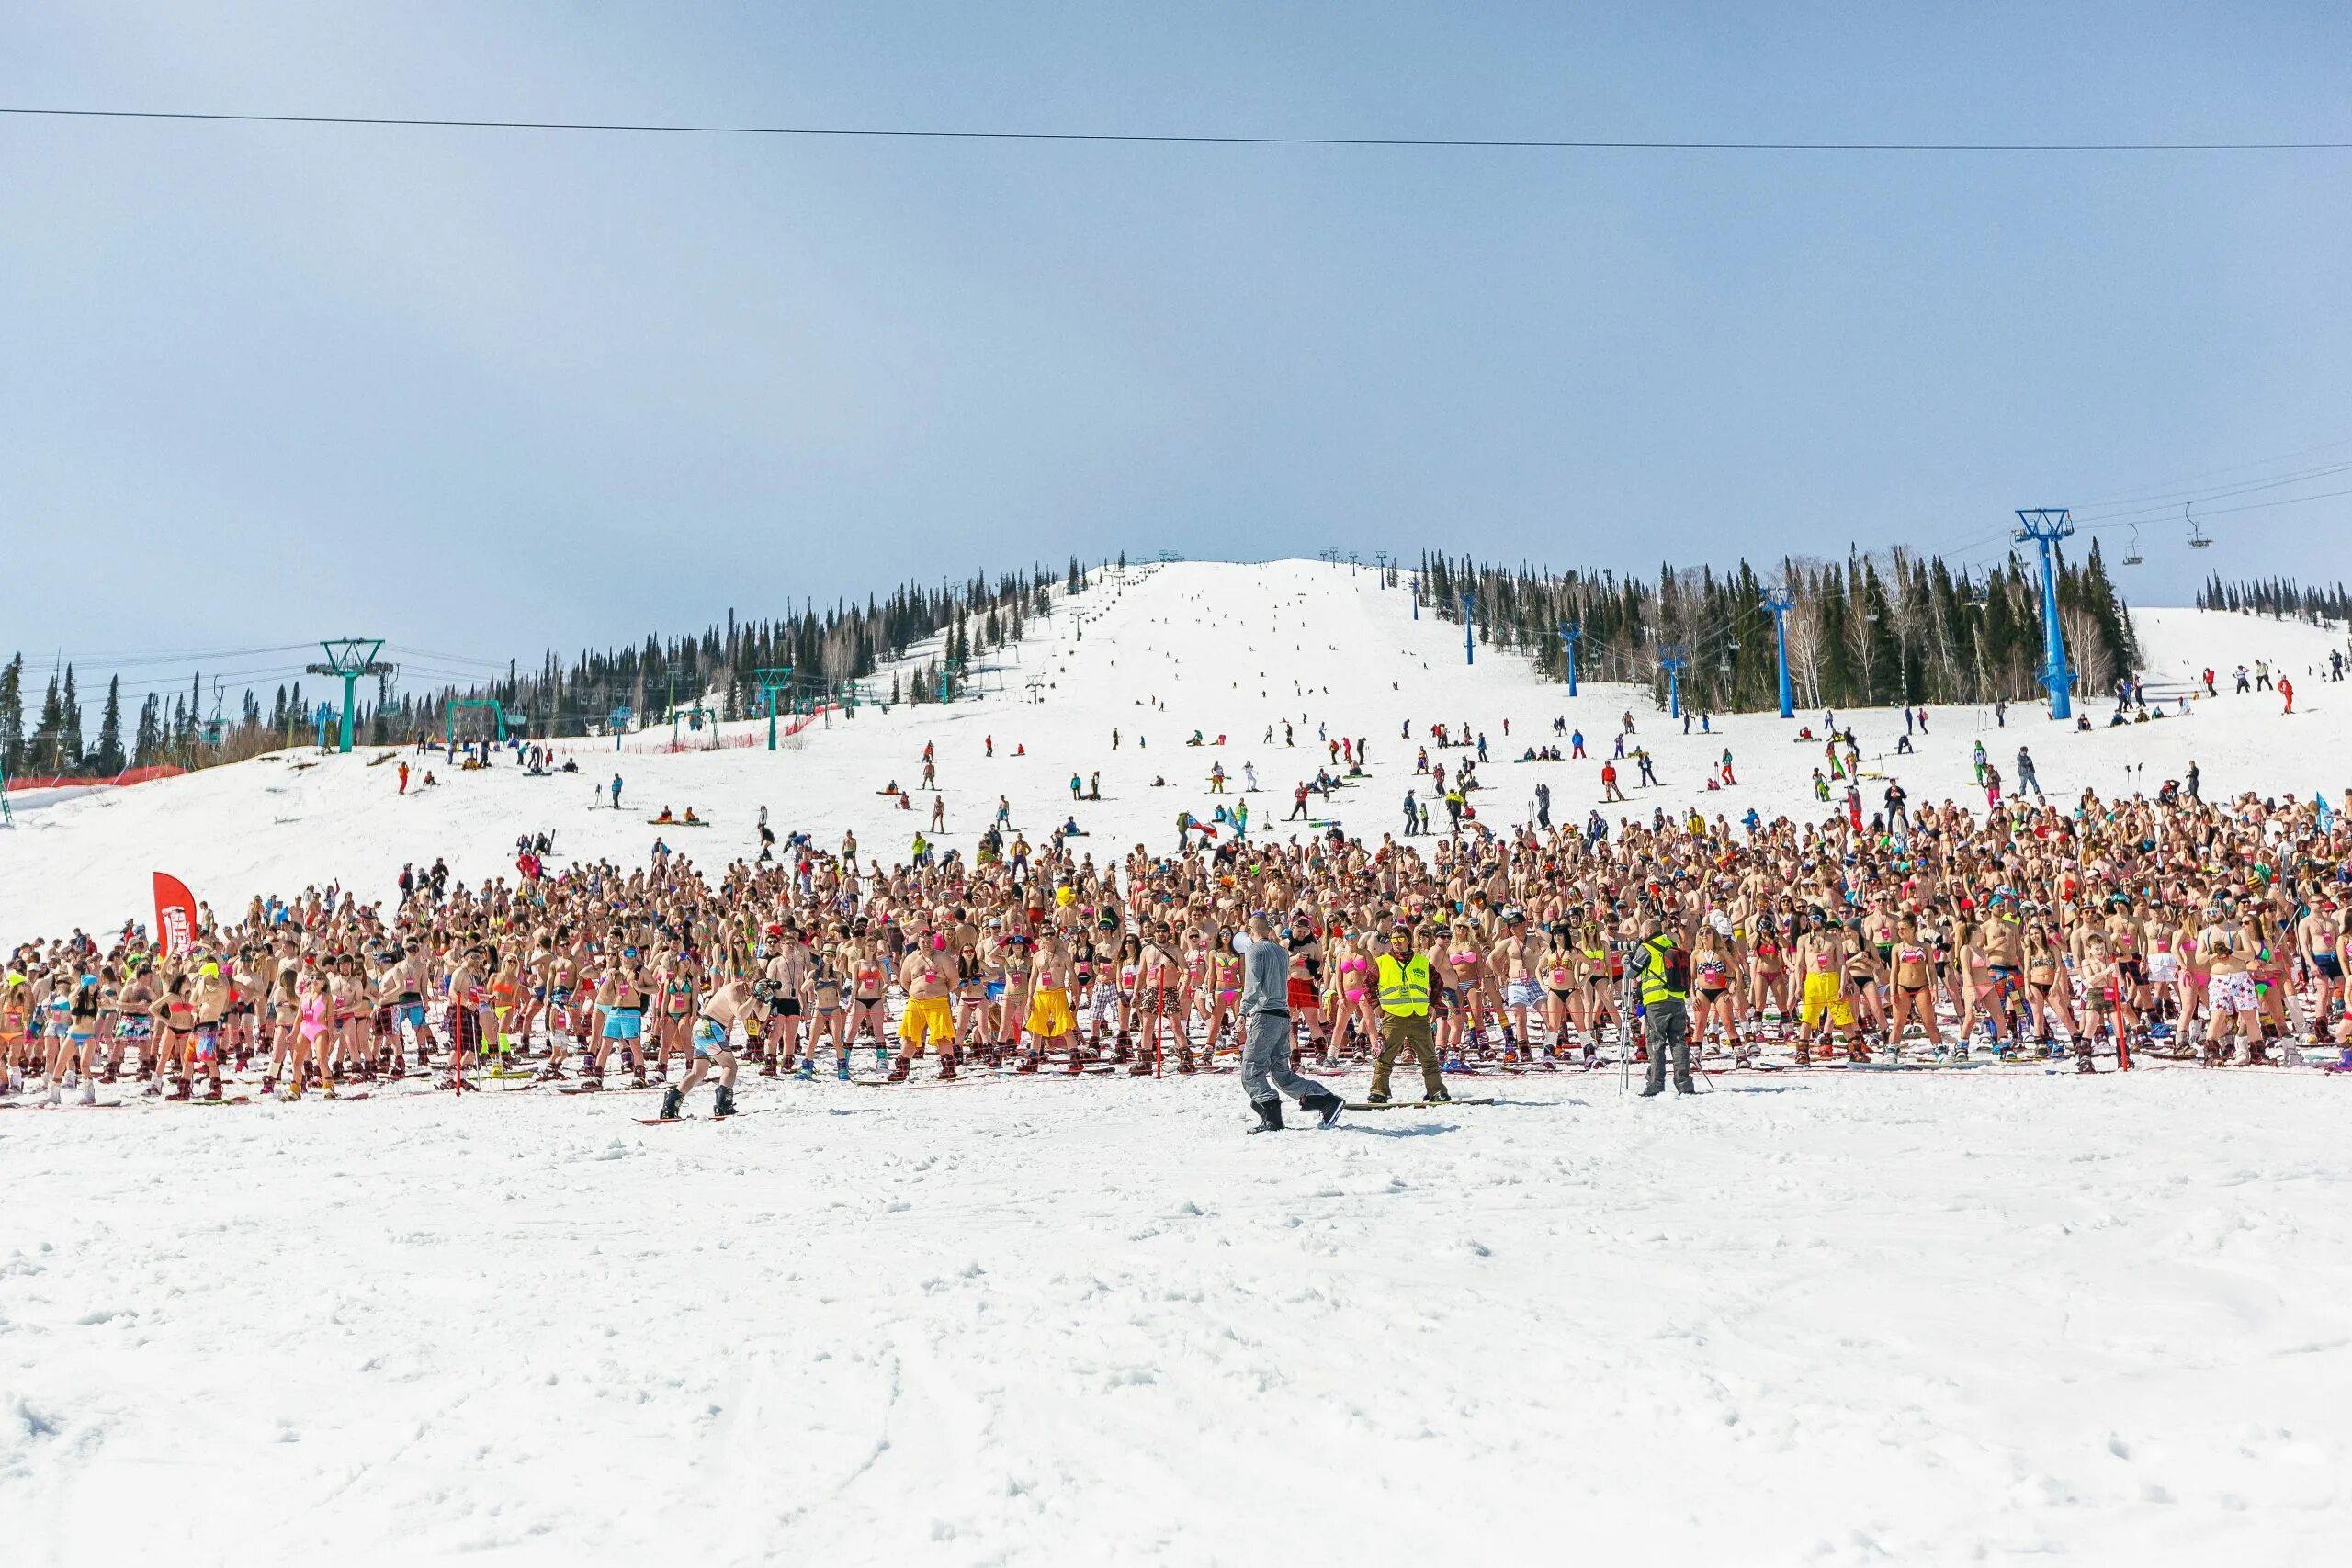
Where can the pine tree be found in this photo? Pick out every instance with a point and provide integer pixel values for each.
(147, 747)
(49, 736)
(69, 742)
(107, 760)
(12, 717)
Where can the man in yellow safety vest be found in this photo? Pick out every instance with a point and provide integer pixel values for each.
(1662, 970)
(1404, 978)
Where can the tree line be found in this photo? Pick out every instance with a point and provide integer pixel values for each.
(2281, 597)
(811, 656)
(1902, 627)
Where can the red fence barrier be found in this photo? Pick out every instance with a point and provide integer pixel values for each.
(128, 776)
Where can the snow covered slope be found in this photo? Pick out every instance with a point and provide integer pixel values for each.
(1215, 647)
(1831, 1319)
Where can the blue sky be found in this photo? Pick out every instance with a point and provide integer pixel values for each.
(484, 392)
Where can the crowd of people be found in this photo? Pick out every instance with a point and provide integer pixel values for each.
(2094, 929)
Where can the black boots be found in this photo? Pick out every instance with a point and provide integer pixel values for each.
(1325, 1104)
(724, 1104)
(670, 1101)
(1269, 1115)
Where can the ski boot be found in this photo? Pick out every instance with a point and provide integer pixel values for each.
(671, 1099)
(840, 1064)
(1028, 1063)
(946, 1066)
(897, 1073)
(1184, 1059)
(1141, 1068)
(1325, 1104)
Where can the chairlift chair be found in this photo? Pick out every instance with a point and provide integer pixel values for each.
(2198, 540)
(2132, 553)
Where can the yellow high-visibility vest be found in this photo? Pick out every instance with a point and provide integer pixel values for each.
(1654, 984)
(1404, 987)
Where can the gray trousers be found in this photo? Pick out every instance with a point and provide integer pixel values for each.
(1265, 1061)
(1669, 1025)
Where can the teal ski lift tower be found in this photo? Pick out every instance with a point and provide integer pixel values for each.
(2045, 525)
(351, 658)
(771, 679)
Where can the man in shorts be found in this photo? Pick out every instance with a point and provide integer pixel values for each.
(712, 1041)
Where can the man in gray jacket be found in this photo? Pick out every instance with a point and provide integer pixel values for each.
(1265, 1051)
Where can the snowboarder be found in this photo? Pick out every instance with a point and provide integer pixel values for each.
(712, 1041)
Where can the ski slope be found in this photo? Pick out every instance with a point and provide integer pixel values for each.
(1166, 651)
(1824, 1318)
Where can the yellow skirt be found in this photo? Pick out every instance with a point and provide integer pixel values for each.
(1049, 1015)
(928, 1018)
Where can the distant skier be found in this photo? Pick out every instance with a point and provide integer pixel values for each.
(616, 792)
(2026, 780)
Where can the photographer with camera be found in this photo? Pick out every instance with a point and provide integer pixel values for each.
(1660, 966)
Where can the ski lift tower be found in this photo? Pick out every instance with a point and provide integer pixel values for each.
(1672, 659)
(1779, 602)
(1571, 633)
(618, 720)
(2045, 525)
(1469, 629)
(351, 658)
(771, 680)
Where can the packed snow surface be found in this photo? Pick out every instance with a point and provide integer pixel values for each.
(1821, 1316)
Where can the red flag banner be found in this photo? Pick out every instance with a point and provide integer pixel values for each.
(175, 915)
